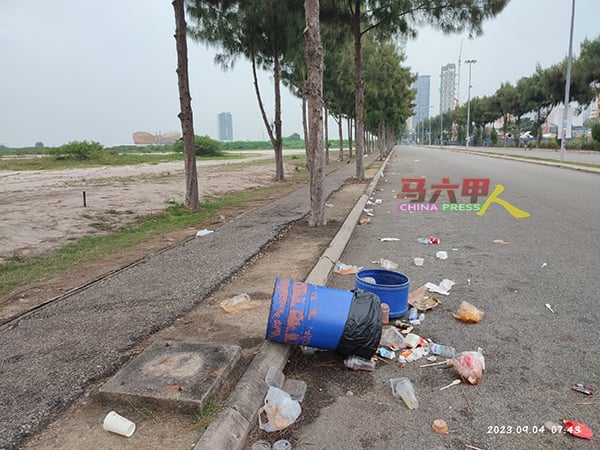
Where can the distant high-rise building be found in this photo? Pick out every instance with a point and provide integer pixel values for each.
(225, 127)
(448, 88)
(422, 87)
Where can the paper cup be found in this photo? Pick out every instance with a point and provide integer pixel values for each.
(115, 423)
(419, 261)
(442, 255)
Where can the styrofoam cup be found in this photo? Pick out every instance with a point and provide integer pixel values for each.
(442, 255)
(115, 423)
(419, 261)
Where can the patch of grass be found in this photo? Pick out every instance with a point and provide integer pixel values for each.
(203, 418)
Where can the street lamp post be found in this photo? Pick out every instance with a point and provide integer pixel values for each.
(470, 62)
(563, 141)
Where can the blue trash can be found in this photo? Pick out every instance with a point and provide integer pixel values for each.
(391, 288)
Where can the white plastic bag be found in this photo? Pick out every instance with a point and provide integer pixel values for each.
(280, 409)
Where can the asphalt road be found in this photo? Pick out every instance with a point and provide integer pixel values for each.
(533, 356)
(571, 156)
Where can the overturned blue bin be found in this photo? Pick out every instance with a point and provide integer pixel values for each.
(391, 288)
(346, 322)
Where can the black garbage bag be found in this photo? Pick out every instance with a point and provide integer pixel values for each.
(362, 331)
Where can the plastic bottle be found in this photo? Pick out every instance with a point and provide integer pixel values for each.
(385, 313)
(442, 350)
(357, 363)
(413, 313)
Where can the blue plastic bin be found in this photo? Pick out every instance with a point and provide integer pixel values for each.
(391, 288)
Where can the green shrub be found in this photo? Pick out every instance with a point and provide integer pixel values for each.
(79, 151)
(204, 145)
(596, 132)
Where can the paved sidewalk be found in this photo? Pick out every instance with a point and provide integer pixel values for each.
(51, 355)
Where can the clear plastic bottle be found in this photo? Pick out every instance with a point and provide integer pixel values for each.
(413, 313)
(357, 363)
(442, 350)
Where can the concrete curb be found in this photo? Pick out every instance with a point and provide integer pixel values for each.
(571, 166)
(230, 428)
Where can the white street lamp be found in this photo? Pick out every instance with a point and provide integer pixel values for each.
(470, 62)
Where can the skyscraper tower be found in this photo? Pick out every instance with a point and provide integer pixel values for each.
(448, 88)
(225, 127)
(422, 87)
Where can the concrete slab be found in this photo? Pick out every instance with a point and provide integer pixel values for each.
(173, 375)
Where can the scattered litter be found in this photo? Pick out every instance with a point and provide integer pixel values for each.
(357, 363)
(378, 201)
(203, 232)
(416, 160)
(422, 300)
(419, 261)
(544, 265)
(392, 338)
(439, 363)
(549, 306)
(369, 280)
(387, 264)
(583, 389)
(173, 388)
(578, 429)
(469, 313)
(412, 340)
(431, 358)
(389, 239)
(364, 220)
(413, 354)
(443, 288)
(442, 350)
(329, 205)
(296, 389)
(454, 383)
(468, 282)
(440, 426)
(306, 350)
(402, 387)
(115, 423)
(240, 302)
(441, 255)
(469, 365)
(282, 444)
(428, 240)
(261, 445)
(385, 353)
(368, 212)
(274, 377)
(280, 410)
(499, 241)
(385, 313)
(345, 269)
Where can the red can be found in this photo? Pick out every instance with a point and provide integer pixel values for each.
(434, 240)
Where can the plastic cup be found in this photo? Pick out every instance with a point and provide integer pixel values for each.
(385, 313)
(442, 255)
(282, 444)
(402, 387)
(419, 261)
(115, 423)
(261, 445)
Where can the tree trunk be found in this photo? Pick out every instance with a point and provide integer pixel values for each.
(350, 137)
(192, 200)
(326, 137)
(305, 125)
(359, 93)
(341, 137)
(275, 142)
(314, 85)
(381, 141)
(279, 172)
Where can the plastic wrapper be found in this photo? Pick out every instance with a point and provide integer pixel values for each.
(280, 410)
(345, 269)
(469, 365)
(469, 313)
(238, 303)
(362, 331)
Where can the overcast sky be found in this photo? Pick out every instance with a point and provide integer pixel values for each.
(100, 70)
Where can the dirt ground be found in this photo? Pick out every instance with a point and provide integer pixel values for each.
(43, 210)
(80, 426)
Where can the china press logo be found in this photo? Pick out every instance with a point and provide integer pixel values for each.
(474, 188)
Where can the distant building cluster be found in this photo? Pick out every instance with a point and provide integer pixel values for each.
(145, 138)
(225, 124)
(422, 88)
